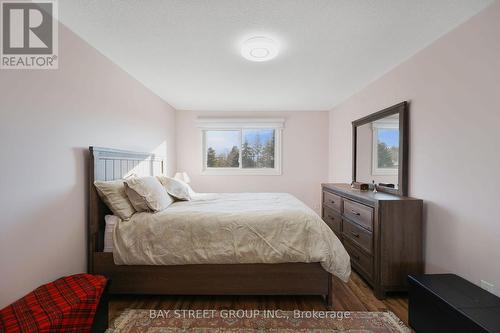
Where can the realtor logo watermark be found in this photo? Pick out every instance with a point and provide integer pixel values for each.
(29, 36)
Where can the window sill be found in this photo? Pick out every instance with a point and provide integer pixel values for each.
(385, 172)
(241, 172)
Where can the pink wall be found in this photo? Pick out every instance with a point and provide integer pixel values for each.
(453, 87)
(305, 156)
(47, 121)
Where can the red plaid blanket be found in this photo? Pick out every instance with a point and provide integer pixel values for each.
(65, 305)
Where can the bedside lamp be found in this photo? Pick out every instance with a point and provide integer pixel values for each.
(182, 176)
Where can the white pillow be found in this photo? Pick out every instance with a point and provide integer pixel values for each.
(111, 222)
(191, 191)
(150, 191)
(176, 188)
(114, 196)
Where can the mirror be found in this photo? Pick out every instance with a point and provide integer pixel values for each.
(377, 152)
(380, 149)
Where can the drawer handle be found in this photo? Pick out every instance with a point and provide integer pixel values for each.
(355, 212)
(332, 202)
(354, 234)
(331, 217)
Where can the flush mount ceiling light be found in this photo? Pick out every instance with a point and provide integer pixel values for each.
(259, 49)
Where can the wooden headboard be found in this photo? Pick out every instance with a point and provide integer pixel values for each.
(112, 164)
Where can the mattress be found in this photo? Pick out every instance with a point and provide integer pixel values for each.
(230, 228)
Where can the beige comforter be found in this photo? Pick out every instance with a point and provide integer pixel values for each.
(230, 228)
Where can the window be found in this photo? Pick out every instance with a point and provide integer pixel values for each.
(385, 148)
(258, 148)
(241, 147)
(223, 149)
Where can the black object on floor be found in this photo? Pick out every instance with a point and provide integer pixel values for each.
(100, 323)
(448, 303)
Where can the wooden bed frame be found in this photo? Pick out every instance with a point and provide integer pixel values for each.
(226, 279)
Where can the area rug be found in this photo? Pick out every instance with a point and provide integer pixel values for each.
(249, 321)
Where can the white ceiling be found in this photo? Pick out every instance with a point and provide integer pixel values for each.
(187, 51)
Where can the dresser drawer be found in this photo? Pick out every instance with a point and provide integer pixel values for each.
(360, 260)
(332, 200)
(333, 219)
(360, 236)
(361, 214)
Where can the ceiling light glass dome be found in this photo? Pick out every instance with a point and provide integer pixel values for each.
(259, 49)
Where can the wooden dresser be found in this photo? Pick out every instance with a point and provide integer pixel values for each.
(381, 232)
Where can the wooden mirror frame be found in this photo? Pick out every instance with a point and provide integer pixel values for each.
(402, 110)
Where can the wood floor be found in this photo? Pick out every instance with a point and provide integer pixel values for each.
(352, 296)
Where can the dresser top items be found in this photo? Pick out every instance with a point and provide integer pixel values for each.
(366, 197)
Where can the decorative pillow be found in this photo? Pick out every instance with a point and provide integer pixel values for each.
(137, 201)
(153, 194)
(176, 188)
(114, 196)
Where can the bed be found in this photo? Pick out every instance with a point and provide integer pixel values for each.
(140, 276)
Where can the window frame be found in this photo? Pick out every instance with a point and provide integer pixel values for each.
(241, 125)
